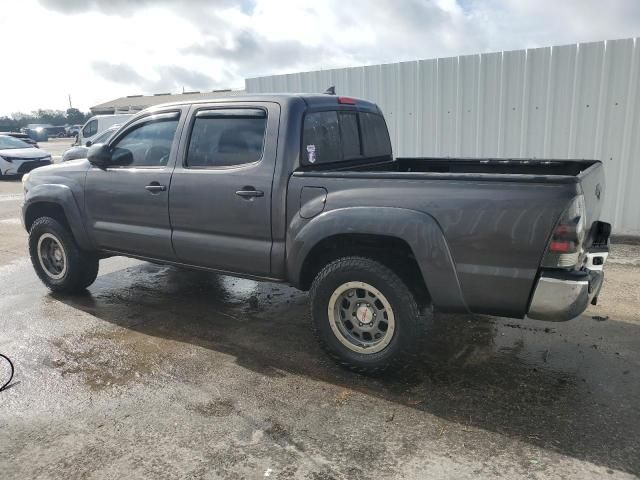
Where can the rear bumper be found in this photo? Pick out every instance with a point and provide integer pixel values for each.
(561, 296)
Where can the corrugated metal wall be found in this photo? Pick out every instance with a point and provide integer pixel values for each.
(572, 101)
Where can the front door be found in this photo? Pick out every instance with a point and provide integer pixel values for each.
(127, 203)
(220, 198)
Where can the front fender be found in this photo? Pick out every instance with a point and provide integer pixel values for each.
(419, 230)
(61, 195)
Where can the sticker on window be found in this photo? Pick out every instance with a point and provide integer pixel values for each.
(311, 153)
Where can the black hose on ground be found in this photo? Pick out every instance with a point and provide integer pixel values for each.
(6, 384)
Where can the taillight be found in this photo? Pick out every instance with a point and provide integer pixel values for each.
(566, 245)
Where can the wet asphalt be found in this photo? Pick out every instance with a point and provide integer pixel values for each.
(161, 373)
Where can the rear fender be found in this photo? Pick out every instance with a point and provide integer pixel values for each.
(419, 230)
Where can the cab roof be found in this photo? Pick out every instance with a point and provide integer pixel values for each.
(311, 100)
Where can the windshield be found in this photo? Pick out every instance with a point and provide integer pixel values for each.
(10, 142)
(104, 136)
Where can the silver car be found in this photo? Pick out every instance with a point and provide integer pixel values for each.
(18, 157)
(80, 151)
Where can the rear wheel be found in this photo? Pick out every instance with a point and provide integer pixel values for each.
(363, 314)
(59, 262)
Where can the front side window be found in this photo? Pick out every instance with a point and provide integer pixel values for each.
(90, 129)
(226, 138)
(146, 145)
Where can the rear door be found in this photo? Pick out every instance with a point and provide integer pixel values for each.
(127, 203)
(220, 197)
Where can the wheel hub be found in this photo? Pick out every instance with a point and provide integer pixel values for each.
(365, 314)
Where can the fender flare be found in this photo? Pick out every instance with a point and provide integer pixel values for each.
(63, 196)
(420, 230)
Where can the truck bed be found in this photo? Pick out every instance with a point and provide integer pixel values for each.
(495, 214)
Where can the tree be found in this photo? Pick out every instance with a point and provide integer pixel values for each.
(54, 117)
(75, 116)
(72, 116)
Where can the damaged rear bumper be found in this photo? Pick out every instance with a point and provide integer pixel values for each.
(564, 295)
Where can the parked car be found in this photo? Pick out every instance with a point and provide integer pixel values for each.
(22, 136)
(80, 151)
(17, 156)
(37, 131)
(73, 130)
(98, 124)
(57, 131)
(304, 189)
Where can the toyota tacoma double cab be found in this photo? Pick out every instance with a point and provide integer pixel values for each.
(304, 189)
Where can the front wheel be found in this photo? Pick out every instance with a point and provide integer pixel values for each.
(59, 262)
(364, 315)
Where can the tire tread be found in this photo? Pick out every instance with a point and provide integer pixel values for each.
(82, 266)
(393, 282)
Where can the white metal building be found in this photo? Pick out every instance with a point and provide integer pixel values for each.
(571, 101)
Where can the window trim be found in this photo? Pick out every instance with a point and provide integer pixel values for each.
(137, 123)
(209, 112)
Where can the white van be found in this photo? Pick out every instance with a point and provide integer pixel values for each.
(98, 124)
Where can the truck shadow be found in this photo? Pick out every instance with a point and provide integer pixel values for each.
(572, 388)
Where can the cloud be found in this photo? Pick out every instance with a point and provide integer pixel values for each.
(174, 77)
(122, 47)
(117, 72)
(166, 78)
(248, 52)
(127, 7)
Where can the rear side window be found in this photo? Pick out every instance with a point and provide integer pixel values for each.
(226, 137)
(375, 136)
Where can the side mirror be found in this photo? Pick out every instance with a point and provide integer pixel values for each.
(88, 144)
(99, 155)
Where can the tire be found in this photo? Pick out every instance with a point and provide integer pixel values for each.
(336, 286)
(76, 270)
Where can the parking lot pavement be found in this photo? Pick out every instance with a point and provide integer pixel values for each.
(56, 147)
(162, 373)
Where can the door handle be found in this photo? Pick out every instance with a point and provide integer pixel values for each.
(249, 192)
(155, 187)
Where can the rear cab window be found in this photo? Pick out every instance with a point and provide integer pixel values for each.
(341, 135)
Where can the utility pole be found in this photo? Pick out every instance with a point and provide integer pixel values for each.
(69, 95)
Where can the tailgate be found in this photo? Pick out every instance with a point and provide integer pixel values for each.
(592, 183)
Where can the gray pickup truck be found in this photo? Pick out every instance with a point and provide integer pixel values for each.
(304, 189)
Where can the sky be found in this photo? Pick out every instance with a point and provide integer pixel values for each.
(97, 50)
